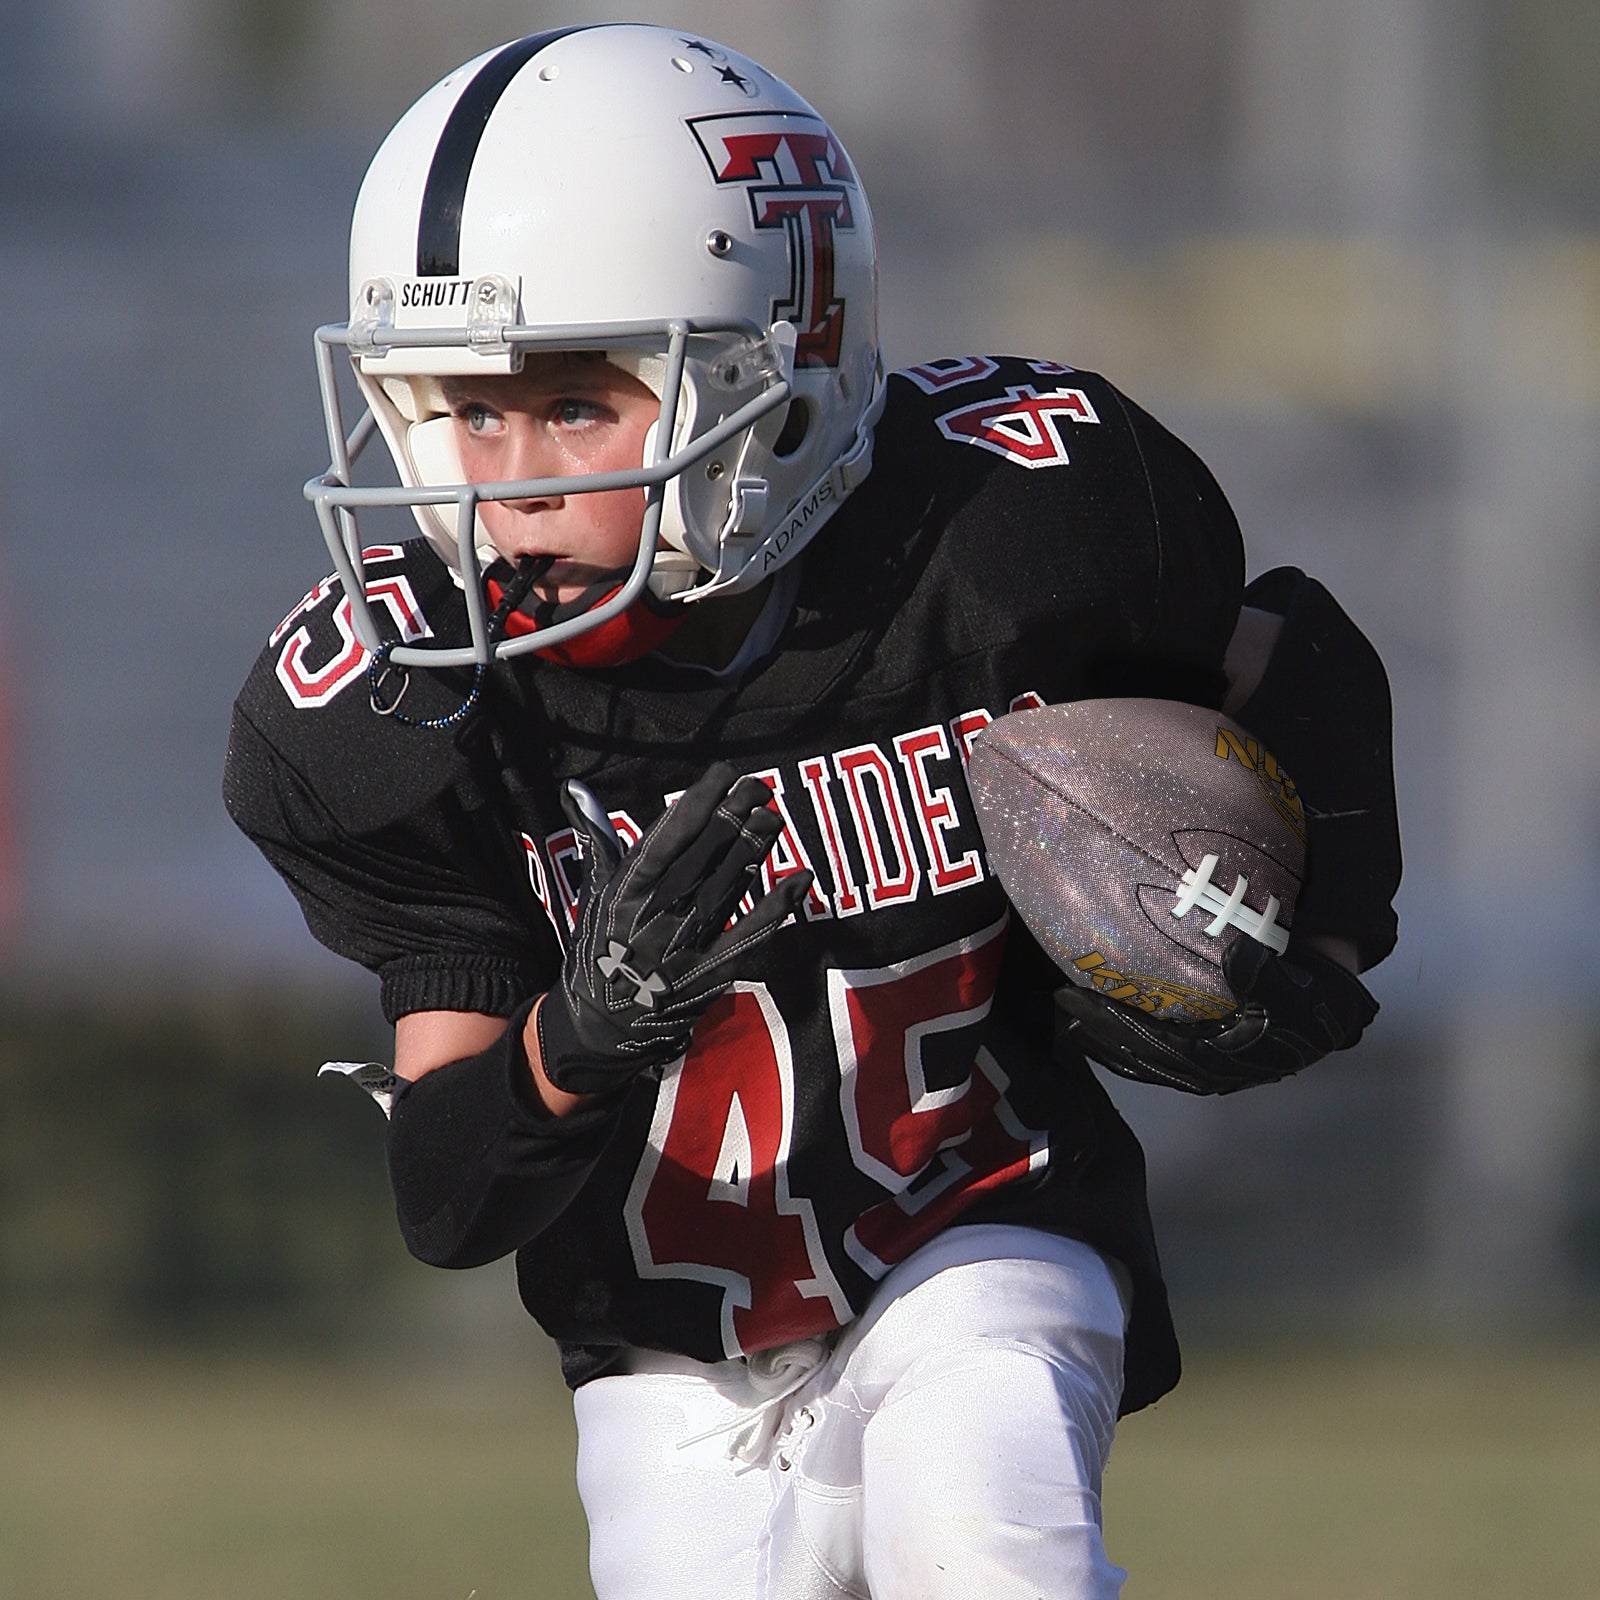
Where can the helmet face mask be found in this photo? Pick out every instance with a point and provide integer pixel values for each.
(654, 198)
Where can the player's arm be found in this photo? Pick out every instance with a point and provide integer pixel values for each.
(1294, 669)
(502, 1119)
(477, 1161)
(1308, 683)
(427, 1040)
(1249, 651)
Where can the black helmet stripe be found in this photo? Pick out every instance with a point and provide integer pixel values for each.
(439, 227)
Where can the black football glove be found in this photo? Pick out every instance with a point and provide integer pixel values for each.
(652, 948)
(1293, 1010)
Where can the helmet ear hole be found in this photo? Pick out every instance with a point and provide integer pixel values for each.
(796, 425)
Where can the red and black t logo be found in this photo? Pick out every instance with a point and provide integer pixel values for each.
(799, 179)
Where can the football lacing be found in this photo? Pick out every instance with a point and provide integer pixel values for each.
(1229, 910)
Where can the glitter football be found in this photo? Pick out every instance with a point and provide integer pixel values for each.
(1137, 839)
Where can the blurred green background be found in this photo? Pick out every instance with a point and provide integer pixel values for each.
(224, 1377)
(1351, 252)
(1394, 1474)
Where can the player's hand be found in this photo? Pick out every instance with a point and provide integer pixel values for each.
(652, 948)
(1293, 1010)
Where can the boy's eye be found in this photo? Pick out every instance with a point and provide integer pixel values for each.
(571, 413)
(476, 417)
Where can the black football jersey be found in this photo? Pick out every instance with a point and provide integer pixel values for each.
(891, 1061)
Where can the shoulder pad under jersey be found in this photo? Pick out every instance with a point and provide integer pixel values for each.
(1054, 498)
(308, 697)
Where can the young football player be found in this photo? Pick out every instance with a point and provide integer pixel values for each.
(638, 780)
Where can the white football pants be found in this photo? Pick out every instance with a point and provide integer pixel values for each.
(948, 1447)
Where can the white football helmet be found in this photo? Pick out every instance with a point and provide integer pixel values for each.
(651, 195)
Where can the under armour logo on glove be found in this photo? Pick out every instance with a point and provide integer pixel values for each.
(615, 963)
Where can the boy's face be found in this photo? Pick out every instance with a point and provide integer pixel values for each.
(566, 413)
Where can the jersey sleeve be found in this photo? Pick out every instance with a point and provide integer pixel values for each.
(1323, 708)
(1193, 591)
(1068, 520)
(423, 899)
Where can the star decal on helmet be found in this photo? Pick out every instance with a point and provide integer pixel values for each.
(738, 80)
(700, 45)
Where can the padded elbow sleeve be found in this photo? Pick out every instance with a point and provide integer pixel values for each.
(477, 1167)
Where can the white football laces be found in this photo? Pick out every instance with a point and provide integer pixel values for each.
(1229, 910)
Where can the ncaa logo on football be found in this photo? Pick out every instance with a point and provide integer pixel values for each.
(1023, 425)
(799, 179)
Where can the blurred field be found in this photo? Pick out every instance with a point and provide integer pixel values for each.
(262, 1479)
(1414, 1475)
(1405, 1476)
